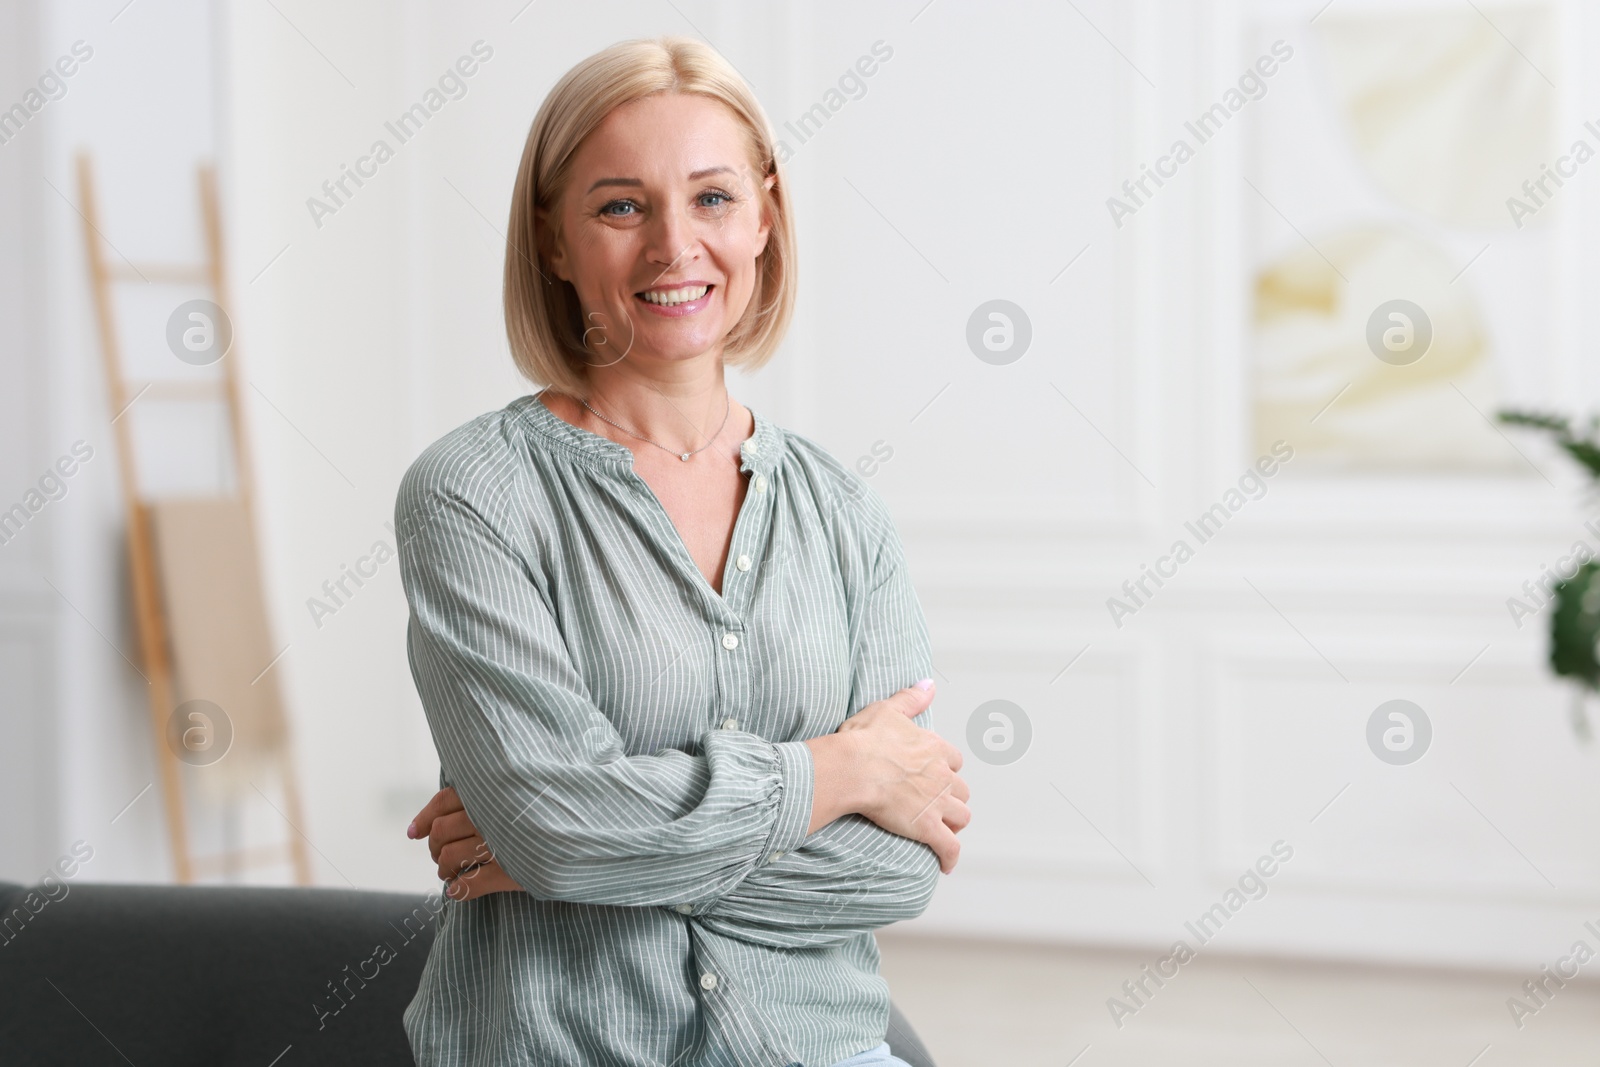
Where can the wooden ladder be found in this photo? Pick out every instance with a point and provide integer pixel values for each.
(153, 610)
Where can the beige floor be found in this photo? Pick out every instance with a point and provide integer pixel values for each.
(992, 1004)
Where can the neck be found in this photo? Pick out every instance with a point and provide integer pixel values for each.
(679, 405)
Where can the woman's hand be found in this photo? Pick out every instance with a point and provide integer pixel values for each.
(892, 771)
(466, 865)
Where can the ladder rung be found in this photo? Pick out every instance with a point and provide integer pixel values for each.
(242, 859)
(158, 272)
(169, 389)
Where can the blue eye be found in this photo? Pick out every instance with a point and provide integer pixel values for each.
(710, 200)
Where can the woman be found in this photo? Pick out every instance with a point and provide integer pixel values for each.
(641, 617)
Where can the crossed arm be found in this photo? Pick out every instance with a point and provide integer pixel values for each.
(564, 815)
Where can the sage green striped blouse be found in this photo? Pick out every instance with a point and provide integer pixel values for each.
(630, 745)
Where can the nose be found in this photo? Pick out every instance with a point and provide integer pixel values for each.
(671, 239)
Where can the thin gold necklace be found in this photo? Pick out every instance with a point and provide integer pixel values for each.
(727, 406)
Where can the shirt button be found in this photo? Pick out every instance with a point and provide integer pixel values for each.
(730, 724)
(761, 483)
(743, 563)
(684, 909)
(730, 641)
(775, 857)
(708, 981)
(752, 447)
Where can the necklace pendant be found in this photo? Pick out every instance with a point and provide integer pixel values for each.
(685, 457)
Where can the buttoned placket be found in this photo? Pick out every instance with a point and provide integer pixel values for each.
(734, 691)
(734, 680)
(747, 1040)
(726, 613)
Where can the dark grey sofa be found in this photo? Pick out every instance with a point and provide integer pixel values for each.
(220, 976)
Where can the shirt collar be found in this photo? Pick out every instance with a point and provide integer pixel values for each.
(759, 453)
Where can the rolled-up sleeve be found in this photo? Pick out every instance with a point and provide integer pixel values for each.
(538, 766)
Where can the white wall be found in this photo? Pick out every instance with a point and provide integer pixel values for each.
(27, 614)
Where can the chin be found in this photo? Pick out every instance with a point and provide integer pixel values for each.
(675, 349)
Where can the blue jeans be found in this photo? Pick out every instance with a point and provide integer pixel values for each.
(874, 1057)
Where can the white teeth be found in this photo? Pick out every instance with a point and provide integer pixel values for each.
(670, 297)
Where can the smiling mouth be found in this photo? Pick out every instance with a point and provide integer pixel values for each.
(674, 297)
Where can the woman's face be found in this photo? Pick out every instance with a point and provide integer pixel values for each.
(660, 227)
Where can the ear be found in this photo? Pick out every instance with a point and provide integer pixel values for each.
(552, 245)
(766, 213)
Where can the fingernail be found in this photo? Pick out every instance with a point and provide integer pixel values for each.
(925, 684)
(411, 830)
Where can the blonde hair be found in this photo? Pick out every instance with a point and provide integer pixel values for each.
(544, 322)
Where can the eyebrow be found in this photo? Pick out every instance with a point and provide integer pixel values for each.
(635, 183)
